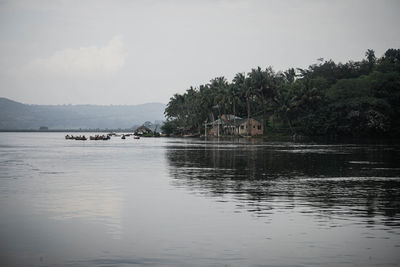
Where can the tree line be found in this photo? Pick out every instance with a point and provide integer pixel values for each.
(357, 98)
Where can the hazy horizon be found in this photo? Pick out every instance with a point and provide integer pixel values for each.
(83, 104)
(135, 52)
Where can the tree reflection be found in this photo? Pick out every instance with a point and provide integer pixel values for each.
(340, 180)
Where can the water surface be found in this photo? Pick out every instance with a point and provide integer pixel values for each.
(192, 202)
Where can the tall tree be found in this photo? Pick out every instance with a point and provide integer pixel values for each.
(264, 85)
(245, 91)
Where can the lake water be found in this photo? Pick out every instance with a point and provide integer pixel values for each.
(192, 202)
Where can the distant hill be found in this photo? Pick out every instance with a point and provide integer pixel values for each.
(17, 116)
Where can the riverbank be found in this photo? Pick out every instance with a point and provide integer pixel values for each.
(66, 130)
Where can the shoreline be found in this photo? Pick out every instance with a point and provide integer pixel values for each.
(66, 130)
(271, 137)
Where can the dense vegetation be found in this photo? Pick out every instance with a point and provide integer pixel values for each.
(358, 98)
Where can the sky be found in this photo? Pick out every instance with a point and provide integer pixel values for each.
(133, 52)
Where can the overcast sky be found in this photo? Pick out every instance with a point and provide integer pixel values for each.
(132, 52)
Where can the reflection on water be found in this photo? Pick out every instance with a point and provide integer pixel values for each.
(60, 183)
(191, 202)
(330, 180)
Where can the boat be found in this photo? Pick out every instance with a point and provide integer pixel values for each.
(100, 137)
(79, 137)
(82, 138)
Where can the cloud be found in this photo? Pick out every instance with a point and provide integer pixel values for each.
(82, 62)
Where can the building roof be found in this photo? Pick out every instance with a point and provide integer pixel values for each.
(230, 117)
(241, 121)
(233, 121)
(216, 122)
(226, 119)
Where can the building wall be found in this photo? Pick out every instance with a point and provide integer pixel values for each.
(224, 130)
(255, 128)
(213, 131)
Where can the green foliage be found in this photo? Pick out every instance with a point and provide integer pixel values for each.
(170, 127)
(355, 98)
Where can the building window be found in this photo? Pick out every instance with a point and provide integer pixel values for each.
(242, 127)
(254, 126)
(259, 127)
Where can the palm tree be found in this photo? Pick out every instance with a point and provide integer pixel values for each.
(289, 75)
(244, 90)
(175, 109)
(264, 85)
(234, 97)
(206, 101)
(218, 87)
(370, 55)
(191, 108)
(285, 106)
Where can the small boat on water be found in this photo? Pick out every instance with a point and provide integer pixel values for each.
(136, 137)
(79, 137)
(100, 137)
